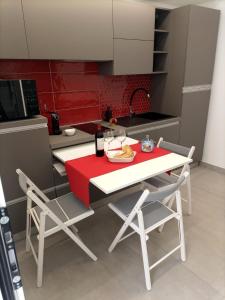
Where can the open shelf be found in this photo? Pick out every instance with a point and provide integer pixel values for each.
(161, 38)
(160, 52)
(159, 62)
(159, 72)
(161, 31)
(161, 18)
(160, 41)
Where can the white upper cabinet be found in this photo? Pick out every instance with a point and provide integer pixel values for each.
(71, 29)
(133, 19)
(12, 31)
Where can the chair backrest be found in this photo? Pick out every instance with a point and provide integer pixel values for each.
(178, 149)
(26, 183)
(36, 195)
(161, 194)
(166, 191)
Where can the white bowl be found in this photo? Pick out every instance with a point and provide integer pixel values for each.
(70, 131)
(111, 157)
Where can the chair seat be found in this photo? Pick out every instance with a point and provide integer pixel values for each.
(65, 207)
(161, 180)
(126, 204)
(153, 212)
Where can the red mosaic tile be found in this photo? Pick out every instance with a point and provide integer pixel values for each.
(68, 86)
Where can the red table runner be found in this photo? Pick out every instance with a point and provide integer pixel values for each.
(81, 170)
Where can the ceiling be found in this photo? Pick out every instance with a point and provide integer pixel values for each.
(181, 2)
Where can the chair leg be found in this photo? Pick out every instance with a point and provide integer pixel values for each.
(144, 251)
(189, 194)
(28, 232)
(80, 243)
(118, 236)
(181, 227)
(28, 224)
(40, 260)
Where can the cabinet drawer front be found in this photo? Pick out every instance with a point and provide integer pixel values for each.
(75, 29)
(133, 19)
(132, 57)
(169, 132)
(193, 121)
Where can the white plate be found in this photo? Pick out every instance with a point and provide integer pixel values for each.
(111, 158)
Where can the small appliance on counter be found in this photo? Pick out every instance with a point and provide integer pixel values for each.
(55, 123)
(18, 100)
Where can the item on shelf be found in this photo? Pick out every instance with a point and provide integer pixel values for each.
(147, 145)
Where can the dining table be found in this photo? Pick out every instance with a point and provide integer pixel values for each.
(126, 176)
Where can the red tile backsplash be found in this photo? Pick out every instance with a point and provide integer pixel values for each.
(76, 99)
(76, 90)
(84, 114)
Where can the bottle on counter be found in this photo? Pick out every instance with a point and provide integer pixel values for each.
(108, 114)
(99, 142)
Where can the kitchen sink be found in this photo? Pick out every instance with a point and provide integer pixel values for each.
(143, 118)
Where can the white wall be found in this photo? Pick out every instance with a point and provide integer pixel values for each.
(214, 148)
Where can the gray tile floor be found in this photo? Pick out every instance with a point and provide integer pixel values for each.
(69, 274)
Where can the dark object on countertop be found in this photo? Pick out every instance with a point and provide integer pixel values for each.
(18, 100)
(108, 114)
(99, 142)
(90, 128)
(132, 114)
(55, 123)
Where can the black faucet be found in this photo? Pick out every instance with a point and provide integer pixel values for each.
(132, 96)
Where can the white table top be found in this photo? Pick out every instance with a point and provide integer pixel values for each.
(82, 150)
(125, 177)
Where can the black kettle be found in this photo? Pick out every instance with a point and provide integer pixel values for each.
(55, 123)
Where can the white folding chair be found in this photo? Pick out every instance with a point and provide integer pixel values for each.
(165, 179)
(49, 217)
(144, 211)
